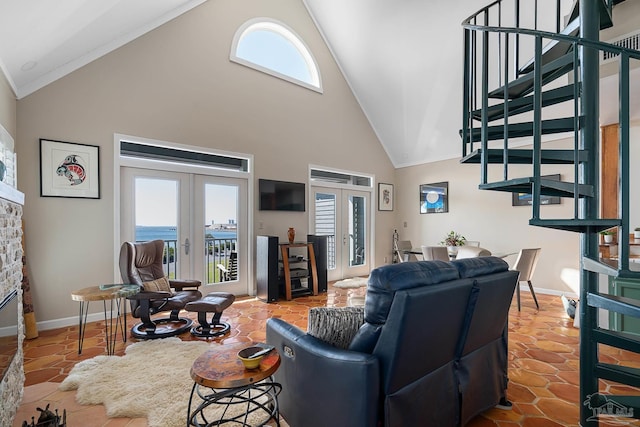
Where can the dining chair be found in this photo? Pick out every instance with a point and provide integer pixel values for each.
(471, 252)
(526, 265)
(401, 250)
(439, 253)
(475, 243)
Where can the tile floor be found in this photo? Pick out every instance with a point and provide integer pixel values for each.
(543, 362)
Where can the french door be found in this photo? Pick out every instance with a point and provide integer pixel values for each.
(344, 216)
(202, 219)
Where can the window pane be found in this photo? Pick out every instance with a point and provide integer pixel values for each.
(326, 224)
(221, 233)
(273, 48)
(273, 51)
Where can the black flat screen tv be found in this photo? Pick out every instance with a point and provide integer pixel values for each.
(281, 195)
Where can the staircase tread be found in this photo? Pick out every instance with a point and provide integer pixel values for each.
(524, 156)
(523, 85)
(555, 48)
(618, 373)
(548, 187)
(619, 339)
(522, 105)
(576, 225)
(611, 264)
(524, 129)
(605, 16)
(616, 303)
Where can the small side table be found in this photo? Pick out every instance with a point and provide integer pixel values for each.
(220, 379)
(114, 294)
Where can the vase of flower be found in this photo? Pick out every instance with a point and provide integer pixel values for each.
(452, 241)
(291, 234)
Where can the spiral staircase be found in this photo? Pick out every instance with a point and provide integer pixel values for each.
(527, 76)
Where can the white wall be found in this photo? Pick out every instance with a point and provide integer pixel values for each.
(489, 217)
(7, 106)
(177, 84)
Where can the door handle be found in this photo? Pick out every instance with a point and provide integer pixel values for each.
(186, 245)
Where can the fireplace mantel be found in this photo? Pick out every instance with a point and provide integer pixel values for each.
(11, 194)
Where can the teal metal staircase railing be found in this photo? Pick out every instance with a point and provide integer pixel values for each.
(522, 82)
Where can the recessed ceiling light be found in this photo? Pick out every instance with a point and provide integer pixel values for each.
(30, 65)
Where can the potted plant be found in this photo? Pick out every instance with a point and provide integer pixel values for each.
(608, 235)
(636, 233)
(452, 241)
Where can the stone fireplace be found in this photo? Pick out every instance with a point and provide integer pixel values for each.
(11, 320)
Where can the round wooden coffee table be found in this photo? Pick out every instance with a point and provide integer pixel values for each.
(232, 394)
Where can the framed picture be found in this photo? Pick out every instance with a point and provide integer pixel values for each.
(525, 199)
(385, 197)
(69, 170)
(434, 198)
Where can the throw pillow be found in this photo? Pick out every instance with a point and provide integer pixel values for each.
(335, 325)
(161, 284)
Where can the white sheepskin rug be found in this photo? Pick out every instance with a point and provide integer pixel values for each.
(151, 380)
(352, 283)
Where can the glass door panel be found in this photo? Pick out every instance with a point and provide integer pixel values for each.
(343, 216)
(202, 220)
(220, 206)
(153, 208)
(325, 219)
(356, 220)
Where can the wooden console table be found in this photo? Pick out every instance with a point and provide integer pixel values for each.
(287, 261)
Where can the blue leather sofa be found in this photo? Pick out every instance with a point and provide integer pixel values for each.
(432, 350)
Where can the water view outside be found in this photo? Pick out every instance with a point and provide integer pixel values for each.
(218, 247)
(146, 233)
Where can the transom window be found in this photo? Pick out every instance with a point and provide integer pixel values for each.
(273, 48)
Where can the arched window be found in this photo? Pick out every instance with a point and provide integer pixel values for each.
(273, 48)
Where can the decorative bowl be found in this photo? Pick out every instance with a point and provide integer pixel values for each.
(250, 362)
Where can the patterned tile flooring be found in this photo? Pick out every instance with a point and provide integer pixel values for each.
(543, 361)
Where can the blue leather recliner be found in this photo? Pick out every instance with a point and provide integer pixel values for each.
(432, 350)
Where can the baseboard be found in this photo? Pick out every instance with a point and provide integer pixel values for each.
(94, 317)
(525, 288)
(68, 321)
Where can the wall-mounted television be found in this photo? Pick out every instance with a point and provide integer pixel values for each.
(281, 195)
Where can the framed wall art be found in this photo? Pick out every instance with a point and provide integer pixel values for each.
(385, 197)
(525, 199)
(434, 198)
(68, 169)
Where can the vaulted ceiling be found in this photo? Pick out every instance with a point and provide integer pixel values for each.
(402, 59)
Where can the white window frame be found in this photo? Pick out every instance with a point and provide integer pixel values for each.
(283, 30)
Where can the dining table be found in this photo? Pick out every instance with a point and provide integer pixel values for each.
(418, 251)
